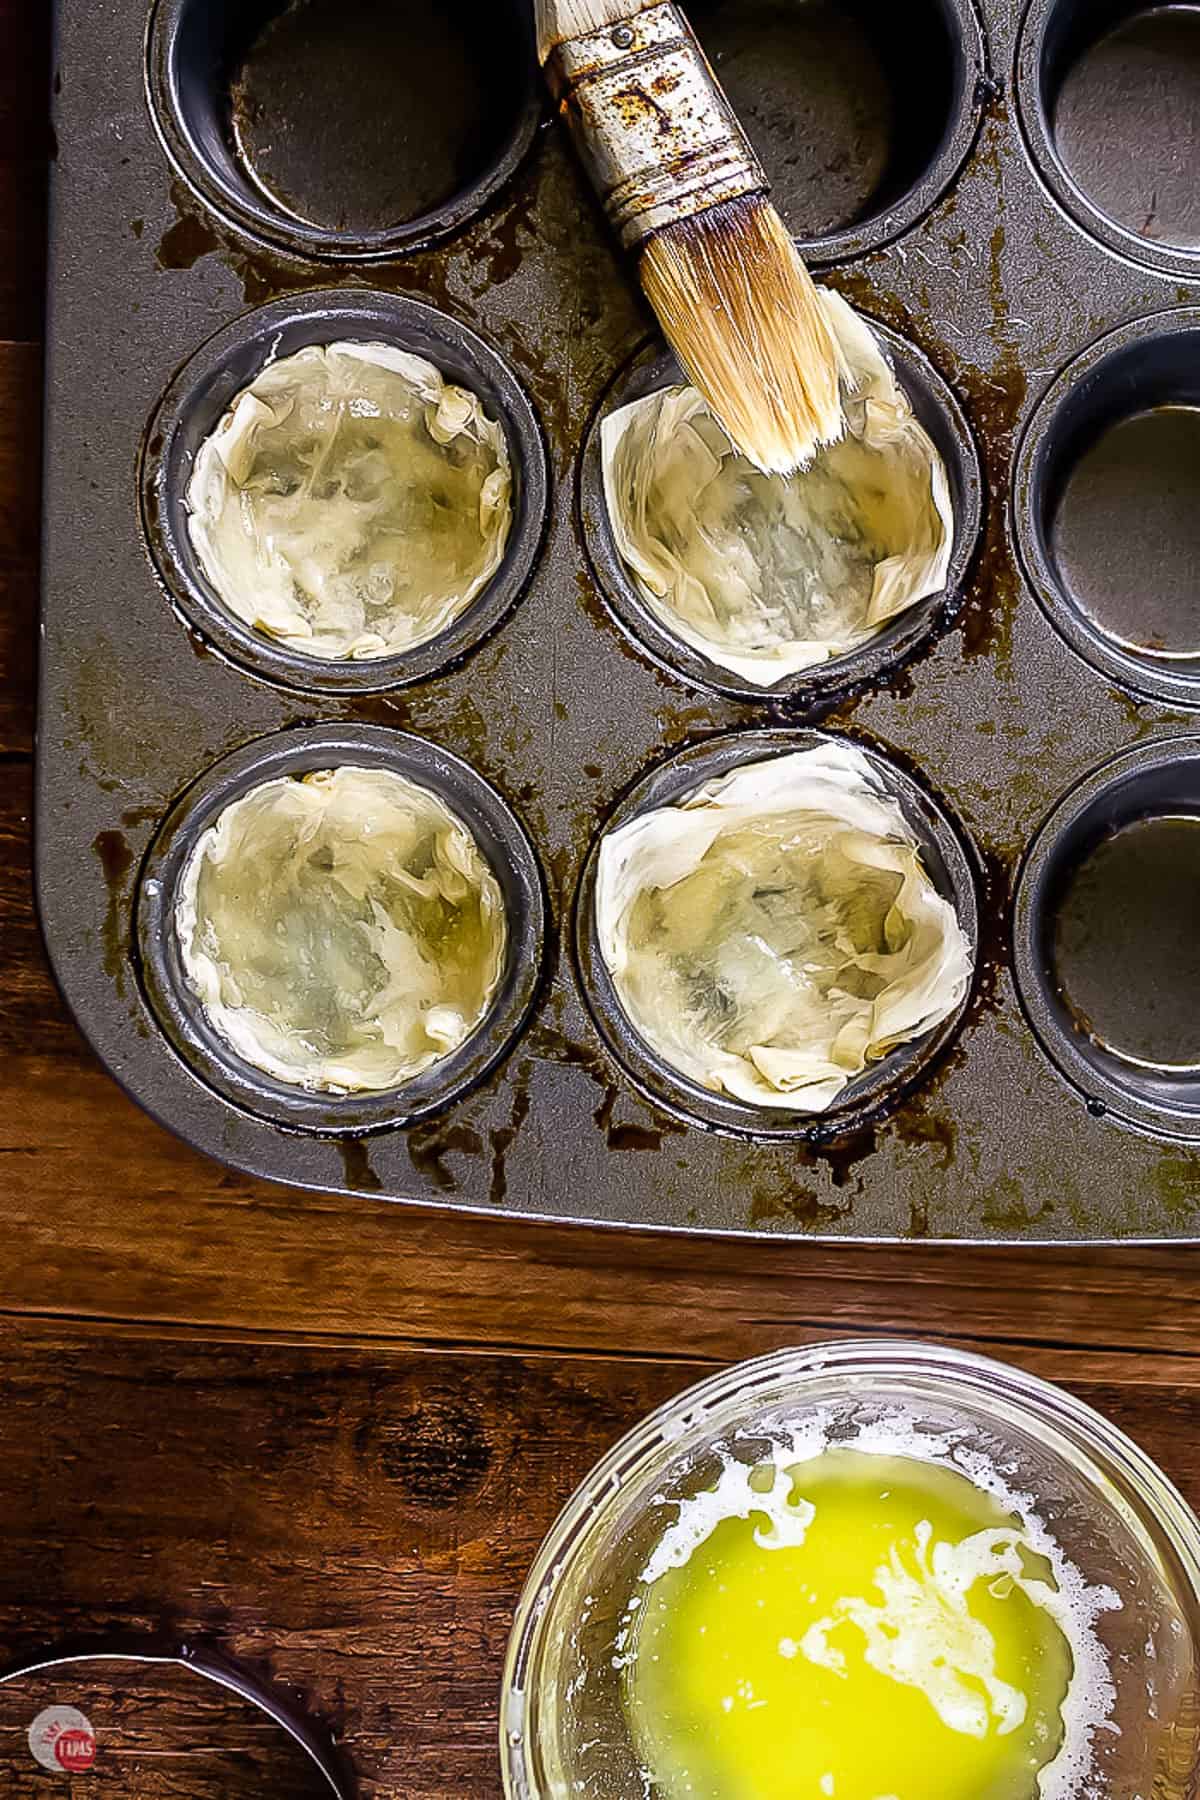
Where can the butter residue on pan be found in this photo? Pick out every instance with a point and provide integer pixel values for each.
(342, 930)
(767, 575)
(351, 503)
(776, 932)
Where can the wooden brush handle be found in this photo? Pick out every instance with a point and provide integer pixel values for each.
(651, 123)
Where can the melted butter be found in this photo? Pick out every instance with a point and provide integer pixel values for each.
(859, 1626)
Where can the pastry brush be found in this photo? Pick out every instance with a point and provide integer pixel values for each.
(686, 193)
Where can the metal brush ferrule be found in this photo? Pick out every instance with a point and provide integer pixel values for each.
(651, 123)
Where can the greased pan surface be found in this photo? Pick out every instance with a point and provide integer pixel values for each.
(992, 187)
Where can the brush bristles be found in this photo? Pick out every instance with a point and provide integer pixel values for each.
(558, 21)
(740, 310)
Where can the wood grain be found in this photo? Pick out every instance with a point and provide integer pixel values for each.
(163, 1734)
(20, 476)
(355, 1521)
(111, 1219)
(331, 1433)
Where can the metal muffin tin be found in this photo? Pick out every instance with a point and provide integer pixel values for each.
(922, 167)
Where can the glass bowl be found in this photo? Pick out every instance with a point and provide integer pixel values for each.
(1113, 1513)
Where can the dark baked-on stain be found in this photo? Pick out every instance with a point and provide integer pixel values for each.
(356, 1165)
(186, 241)
(794, 1204)
(116, 859)
(624, 1135)
(501, 1138)
(430, 1145)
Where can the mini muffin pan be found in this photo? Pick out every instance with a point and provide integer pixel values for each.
(990, 188)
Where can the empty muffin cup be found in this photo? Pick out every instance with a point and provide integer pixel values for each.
(1106, 498)
(344, 128)
(341, 927)
(1109, 99)
(861, 113)
(1106, 949)
(344, 492)
(776, 933)
(722, 574)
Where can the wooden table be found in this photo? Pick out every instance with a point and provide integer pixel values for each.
(331, 1433)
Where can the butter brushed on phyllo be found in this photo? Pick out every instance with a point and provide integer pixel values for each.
(767, 575)
(351, 503)
(776, 932)
(343, 930)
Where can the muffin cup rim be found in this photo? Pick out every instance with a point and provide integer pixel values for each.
(508, 849)
(1171, 680)
(871, 663)
(870, 1095)
(254, 218)
(1127, 1102)
(334, 314)
(878, 230)
(1070, 198)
